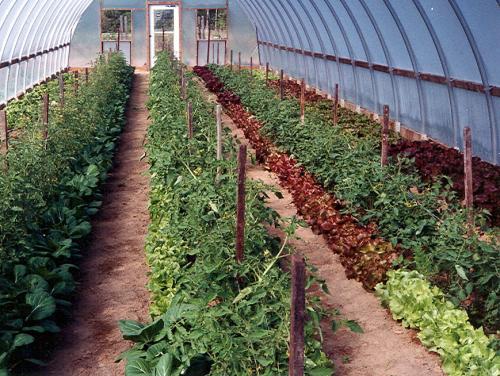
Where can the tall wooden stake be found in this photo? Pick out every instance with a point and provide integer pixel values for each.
(231, 60)
(267, 74)
(45, 116)
(336, 105)
(297, 317)
(302, 100)
(4, 131)
(118, 41)
(251, 66)
(61, 90)
(240, 204)
(282, 87)
(469, 191)
(208, 44)
(189, 113)
(76, 83)
(218, 112)
(163, 38)
(239, 61)
(385, 136)
(86, 75)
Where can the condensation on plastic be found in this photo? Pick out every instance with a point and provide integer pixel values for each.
(457, 39)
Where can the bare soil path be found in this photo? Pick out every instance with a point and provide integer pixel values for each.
(114, 271)
(385, 348)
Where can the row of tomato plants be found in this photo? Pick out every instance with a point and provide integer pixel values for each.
(365, 188)
(49, 190)
(210, 314)
(433, 161)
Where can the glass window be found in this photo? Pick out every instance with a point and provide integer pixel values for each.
(114, 22)
(216, 19)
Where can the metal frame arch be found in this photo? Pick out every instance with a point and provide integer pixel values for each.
(446, 69)
(332, 41)
(258, 25)
(414, 63)
(285, 36)
(309, 42)
(25, 40)
(322, 46)
(36, 35)
(64, 26)
(387, 54)
(301, 43)
(10, 28)
(37, 40)
(484, 76)
(349, 49)
(255, 21)
(55, 29)
(71, 31)
(270, 25)
(367, 54)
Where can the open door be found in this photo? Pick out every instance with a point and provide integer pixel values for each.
(164, 30)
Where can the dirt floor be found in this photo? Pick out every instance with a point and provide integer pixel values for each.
(385, 348)
(114, 271)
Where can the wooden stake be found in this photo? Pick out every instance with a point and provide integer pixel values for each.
(189, 112)
(282, 87)
(218, 113)
(76, 84)
(218, 53)
(208, 45)
(297, 317)
(45, 116)
(251, 66)
(163, 38)
(231, 60)
(4, 131)
(469, 189)
(239, 61)
(267, 74)
(240, 204)
(302, 100)
(61, 90)
(385, 136)
(118, 41)
(86, 75)
(336, 105)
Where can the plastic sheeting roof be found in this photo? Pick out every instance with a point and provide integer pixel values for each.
(435, 62)
(34, 41)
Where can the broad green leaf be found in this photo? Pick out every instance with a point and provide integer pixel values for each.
(461, 272)
(43, 305)
(138, 367)
(22, 339)
(164, 366)
(354, 326)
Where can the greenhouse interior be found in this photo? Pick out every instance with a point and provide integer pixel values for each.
(250, 187)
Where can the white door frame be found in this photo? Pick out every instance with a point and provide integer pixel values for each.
(176, 32)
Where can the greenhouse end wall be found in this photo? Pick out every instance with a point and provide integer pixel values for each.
(241, 36)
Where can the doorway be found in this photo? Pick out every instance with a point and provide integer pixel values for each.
(164, 30)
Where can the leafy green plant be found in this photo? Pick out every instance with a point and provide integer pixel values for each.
(443, 328)
(49, 192)
(421, 218)
(211, 315)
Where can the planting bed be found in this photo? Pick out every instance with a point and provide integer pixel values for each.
(439, 215)
(50, 190)
(210, 313)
